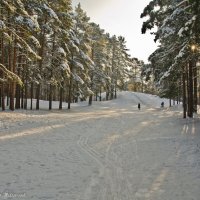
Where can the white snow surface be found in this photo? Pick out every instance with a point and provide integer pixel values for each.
(107, 151)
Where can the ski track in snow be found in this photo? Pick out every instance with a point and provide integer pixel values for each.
(109, 151)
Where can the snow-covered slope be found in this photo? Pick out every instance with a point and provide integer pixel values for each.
(107, 151)
(126, 97)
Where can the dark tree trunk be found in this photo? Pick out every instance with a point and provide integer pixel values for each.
(38, 97)
(107, 96)
(26, 90)
(195, 88)
(12, 102)
(90, 100)
(100, 94)
(73, 92)
(112, 93)
(69, 94)
(13, 69)
(31, 106)
(51, 73)
(17, 102)
(112, 68)
(41, 54)
(18, 87)
(2, 96)
(22, 98)
(61, 95)
(190, 89)
(8, 94)
(91, 95)
(70, 83)
(96, 96)
(70, 90)
(115, 91)
(50, 96)
(184, 93)
(1, 72)
(25, 98)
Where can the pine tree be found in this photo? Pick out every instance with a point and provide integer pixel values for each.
(16, 27)
(177, 28)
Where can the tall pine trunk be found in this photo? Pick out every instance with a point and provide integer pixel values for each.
(61, 95)
(50, 96)
(107, 94)
(184, 93)
(22, 97)
(51, 72)
(90, 100)
(170, 102)
(70, 83)
(69, 92)
(31, 106)
(41, 54)
(18, 88)
(38, 97)
(8, 94)
(112, 77)
(26, 90)
(195, 88)
(190, 89)
(100, 94)
(13, 69)
(115, 90)
(2, 97)
(91, 77)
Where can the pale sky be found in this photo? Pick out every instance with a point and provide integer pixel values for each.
(122, 17)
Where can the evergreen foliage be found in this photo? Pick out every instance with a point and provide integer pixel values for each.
(174, 62)
(50, 52)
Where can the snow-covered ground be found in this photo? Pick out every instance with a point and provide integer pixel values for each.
(108, 151)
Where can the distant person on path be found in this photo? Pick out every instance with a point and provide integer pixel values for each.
(138, 106)
(162, 104)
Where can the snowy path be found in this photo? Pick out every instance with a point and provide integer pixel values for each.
(110, 151)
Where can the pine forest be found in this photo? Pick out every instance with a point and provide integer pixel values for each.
(50, 51)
